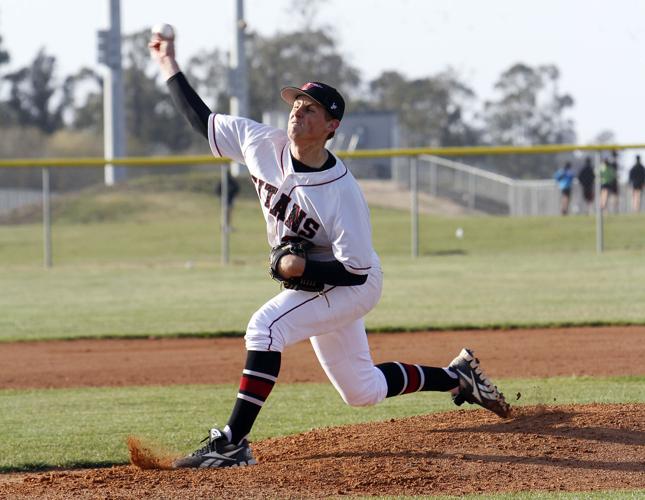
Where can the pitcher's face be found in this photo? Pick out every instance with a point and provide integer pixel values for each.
(308, 120)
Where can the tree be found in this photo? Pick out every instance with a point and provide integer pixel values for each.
(5, 116)
(35, 99)
(207, 72)
(4, 55)
(605, 137)
(434, 110)
(530, 110)
(293, 59)
(86, 108)
(153, 124)
(151, 118)
(304, 14)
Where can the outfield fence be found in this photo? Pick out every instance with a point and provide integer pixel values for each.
(11, 199)
(426, 169)
(481, 191)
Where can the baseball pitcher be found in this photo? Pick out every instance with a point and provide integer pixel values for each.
(318, 227)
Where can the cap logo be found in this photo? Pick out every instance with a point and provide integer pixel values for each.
(333, 106)
(307, 86)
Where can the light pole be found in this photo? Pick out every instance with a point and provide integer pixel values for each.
(239, 90)
(239, 84)
(109, 54)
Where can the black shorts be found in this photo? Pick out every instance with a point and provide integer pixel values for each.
(588, 193)
(566, 191)
(638, 186)
(612, 187)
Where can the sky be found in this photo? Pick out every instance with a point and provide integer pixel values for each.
(598, 45)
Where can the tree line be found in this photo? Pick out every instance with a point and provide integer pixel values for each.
(45, 114)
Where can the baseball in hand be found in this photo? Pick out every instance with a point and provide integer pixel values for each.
(164, 30)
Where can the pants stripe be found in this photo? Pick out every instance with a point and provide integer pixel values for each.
(317, 296)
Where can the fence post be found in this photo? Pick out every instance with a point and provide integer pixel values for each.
(414, 192)
(599, 222)
(47, 229)
(225, 230)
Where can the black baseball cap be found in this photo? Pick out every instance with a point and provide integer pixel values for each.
(328, 97)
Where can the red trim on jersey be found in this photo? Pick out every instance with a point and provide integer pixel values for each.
(215, 136)
(282, 159)
(259, 388)
(320, 183)
(293, 309)
(360, 268)
(413, 378)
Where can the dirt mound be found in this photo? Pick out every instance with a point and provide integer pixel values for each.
(149, 455)
(567, 448)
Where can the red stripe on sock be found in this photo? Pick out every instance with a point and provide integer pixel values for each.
(259, 388)
(414, 380)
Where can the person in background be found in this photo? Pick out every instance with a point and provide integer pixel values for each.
(609, 181)
(233, 190)
(587, 178)
(564, 177)
(637, 179)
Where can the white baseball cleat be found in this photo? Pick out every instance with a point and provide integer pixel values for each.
(475, 387)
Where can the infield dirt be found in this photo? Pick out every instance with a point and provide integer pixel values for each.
(554, 448)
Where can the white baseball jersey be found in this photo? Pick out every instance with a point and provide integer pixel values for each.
(326, 207)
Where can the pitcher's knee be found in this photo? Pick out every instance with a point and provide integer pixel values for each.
(261, 335)
(361, 398)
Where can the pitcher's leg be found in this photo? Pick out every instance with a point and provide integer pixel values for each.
(259, 375)
(293, 316)
(345, 356)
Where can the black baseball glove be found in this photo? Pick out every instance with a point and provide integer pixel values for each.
(297, 247)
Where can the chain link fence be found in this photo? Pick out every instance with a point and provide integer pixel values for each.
(486, 192)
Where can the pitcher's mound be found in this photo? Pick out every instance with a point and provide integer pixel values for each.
(557, 448)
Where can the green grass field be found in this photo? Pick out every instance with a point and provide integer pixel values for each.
(434, 292)
(144, 260)
(140, 262)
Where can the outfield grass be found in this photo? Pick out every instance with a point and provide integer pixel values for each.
(141, 262)
(88, 427)
(433, 292)
(152, 228)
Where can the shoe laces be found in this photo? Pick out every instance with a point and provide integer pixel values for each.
(207, 448)
(478, 371)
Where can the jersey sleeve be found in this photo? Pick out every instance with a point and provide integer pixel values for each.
(232, 136)
(351, 233)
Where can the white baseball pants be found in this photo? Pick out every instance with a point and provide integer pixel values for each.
(333, 321)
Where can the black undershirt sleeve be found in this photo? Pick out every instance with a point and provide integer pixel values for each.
(189, 103)
(332, 273)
